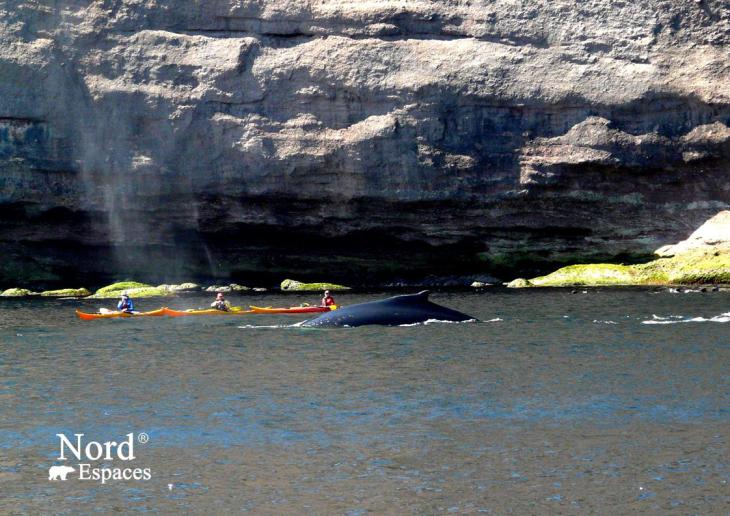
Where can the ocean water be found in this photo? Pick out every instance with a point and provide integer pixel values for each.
(602, 401)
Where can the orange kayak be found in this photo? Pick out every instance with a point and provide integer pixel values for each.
(112, 315)
(209, 311)
(292, 310)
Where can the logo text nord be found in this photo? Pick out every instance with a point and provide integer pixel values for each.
(94, 450)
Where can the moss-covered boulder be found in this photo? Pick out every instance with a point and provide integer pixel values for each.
(590, 274)
(182, 287)
(133, 288)
(698, 267)
(233, 287)
(16, 292)
(66, 292)
(519, 283)
(298, 286)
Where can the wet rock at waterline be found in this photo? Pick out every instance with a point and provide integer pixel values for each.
(233, 287)
(182, 287)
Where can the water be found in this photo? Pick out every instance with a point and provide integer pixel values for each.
(562, 403)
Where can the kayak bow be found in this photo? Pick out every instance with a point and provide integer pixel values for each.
(111, 315)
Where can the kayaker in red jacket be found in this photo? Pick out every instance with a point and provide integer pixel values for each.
(328, 300)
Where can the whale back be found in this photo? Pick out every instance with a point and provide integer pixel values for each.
(393, 311)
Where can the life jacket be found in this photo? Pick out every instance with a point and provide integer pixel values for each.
(127, 305)
(222, 305)
(329, 301)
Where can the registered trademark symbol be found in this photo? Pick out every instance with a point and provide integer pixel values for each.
(143, 438)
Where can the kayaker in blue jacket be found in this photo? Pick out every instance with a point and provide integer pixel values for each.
(125, 304)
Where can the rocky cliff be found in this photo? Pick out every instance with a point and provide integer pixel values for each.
(180, 138)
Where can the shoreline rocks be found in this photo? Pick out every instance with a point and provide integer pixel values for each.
(702, 259)
(66, 292)
(289, 285)
(182, 287)
(17, 292)
(233, 287)
(133, 288)
(697, 268)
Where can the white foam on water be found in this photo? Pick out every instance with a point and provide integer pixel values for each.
(260, 327)
(439, 321)
(429, 321)
(604, 322)
(675, 319)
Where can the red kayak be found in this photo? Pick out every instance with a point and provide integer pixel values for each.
(207, 311)
(292, 310)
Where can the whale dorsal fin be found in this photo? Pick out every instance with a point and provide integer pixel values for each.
(420, 297)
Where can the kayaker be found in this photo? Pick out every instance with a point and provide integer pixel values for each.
(125, 304)
(328, 300)
(220, 303)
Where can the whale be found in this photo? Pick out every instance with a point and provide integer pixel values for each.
(394, 311)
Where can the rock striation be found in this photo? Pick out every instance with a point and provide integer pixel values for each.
(246, 139)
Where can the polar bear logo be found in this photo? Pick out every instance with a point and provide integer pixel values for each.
(56, 472)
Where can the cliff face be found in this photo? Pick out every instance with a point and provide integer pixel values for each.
(176, 138)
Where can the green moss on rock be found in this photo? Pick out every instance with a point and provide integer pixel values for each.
(133, 288)
(591, 274)
(16, 292)
(690, 268)
(66, 292)
(684, 269)
(298, 286)
(120, 286)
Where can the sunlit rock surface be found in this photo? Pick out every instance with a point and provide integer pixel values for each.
(354, 140)
(712, 236)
